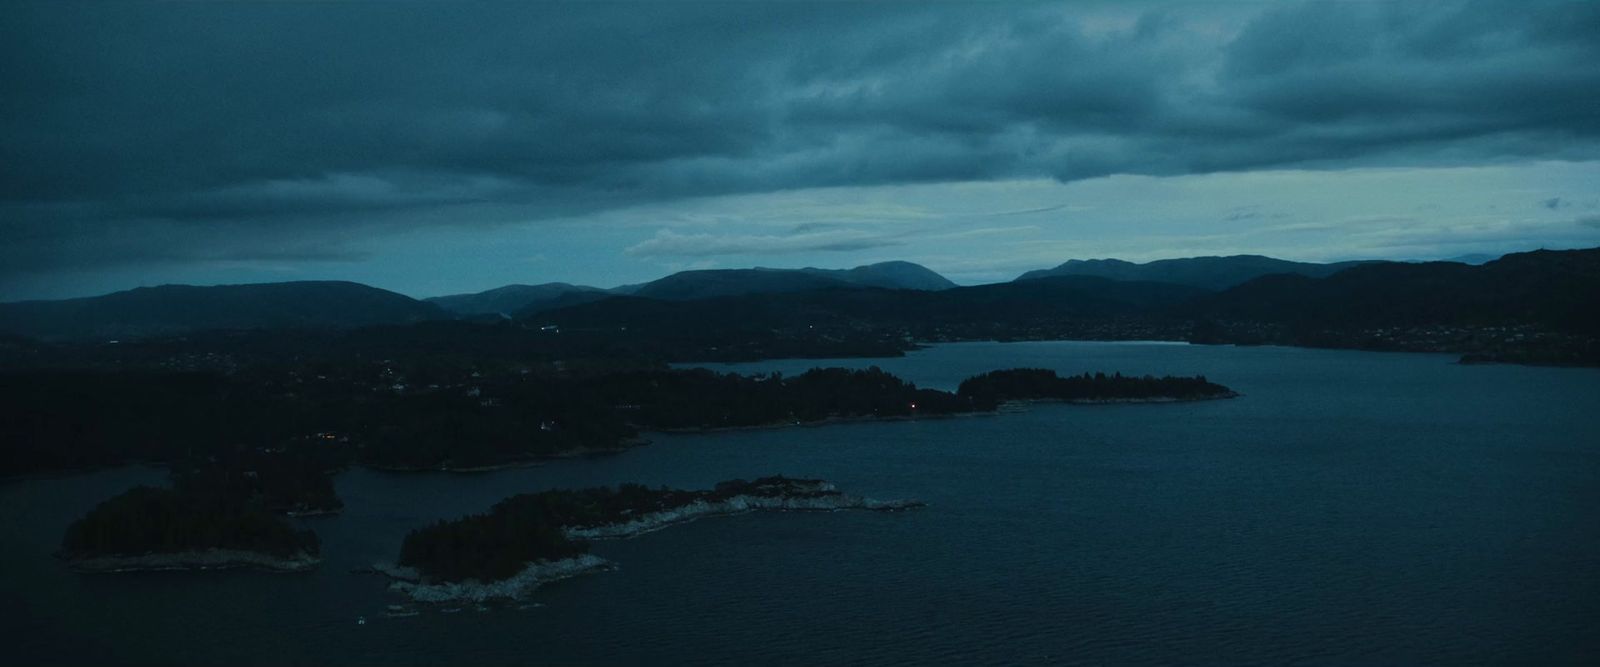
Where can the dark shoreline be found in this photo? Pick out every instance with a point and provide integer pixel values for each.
(588, 452)
(186, 561)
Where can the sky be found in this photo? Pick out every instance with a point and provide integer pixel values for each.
(436, 148)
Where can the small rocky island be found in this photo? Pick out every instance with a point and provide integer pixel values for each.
(149, 528)
(1040, 384)
(531, 539)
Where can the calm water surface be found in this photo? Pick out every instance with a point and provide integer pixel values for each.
(1349, 508)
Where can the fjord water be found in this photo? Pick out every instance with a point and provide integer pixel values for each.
(1350, 507)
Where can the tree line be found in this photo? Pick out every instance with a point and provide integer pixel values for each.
(1044, 384)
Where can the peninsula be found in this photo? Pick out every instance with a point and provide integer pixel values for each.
(273, 429)
(531, 539)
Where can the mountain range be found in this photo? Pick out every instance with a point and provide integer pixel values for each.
(700, 284)
(1559, 290)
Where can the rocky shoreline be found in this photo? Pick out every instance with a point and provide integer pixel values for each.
(313, 512)
(210, 559)
(827, 500)
(409, 582)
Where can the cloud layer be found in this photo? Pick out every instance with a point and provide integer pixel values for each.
(187, 131)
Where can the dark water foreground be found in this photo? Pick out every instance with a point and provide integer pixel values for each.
(1349, 508)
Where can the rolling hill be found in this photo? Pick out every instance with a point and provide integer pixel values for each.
(1555, 289)
(1212, 273)
(178, 309)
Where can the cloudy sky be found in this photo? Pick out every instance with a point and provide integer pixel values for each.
(437, 148)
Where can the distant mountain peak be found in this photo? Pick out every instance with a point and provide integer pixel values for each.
(895, 274)
(711, 283)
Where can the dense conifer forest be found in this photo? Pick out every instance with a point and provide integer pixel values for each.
(147, 520)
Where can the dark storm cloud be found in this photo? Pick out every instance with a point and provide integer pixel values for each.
(90, 243)
(201, 123)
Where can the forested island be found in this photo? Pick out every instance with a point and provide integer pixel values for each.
(225, 509)
(529, 539)
(148, 528)
(1040, 384)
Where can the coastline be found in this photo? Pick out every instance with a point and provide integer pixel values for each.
(210, 559)
(1113, 401)
(825, 421)
(409, 582)
(1003, 407)
(742, 504)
